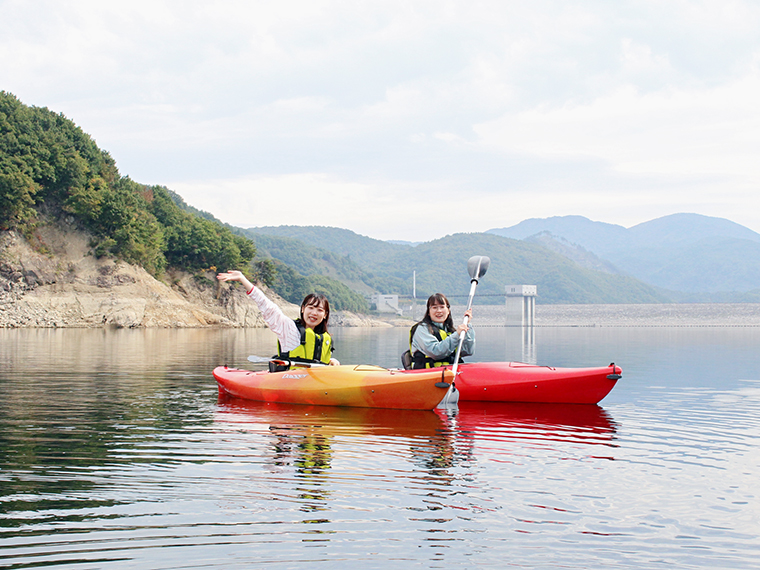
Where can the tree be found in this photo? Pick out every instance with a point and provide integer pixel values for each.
(46, 160)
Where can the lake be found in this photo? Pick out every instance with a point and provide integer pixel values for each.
(118, 453)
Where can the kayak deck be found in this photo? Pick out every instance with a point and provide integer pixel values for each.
(520, 382)
(362, 386)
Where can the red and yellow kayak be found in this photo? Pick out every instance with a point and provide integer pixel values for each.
(362, 386)
(519, 382)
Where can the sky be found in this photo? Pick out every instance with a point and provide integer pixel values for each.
(409, 120)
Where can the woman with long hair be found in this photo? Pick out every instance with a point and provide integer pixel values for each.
(304, 340)
(434, 340)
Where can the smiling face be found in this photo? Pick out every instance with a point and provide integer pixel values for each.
(438, 308)
(313, 315)
(315, 312)
(439, 313)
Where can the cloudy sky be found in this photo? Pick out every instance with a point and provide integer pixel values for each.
(412, 119)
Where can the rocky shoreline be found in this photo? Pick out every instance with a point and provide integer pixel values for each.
(59, 284)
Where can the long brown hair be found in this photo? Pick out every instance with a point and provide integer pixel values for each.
(317, 300)
(439, 299)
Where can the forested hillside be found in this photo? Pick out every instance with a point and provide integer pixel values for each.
(440, 265)
(362, 250)
(298, 269)
(50, 168)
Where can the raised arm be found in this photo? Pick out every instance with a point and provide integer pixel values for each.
(282, 325)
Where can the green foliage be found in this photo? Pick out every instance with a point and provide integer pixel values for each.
(17, 193)
(119, 218)
(198, 243)
(289, 284)
(293, 287)
(310, 260)
(45, 159)
(265, 271)
(341, 297)
(441, 266)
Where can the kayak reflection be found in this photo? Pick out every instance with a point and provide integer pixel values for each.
(307, 440)
(570, 423)
(332, 420)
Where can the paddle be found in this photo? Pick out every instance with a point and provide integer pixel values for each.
(283, 361)
(477, 266)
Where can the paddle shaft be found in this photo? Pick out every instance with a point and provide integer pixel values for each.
(477, 266)
(473, 285)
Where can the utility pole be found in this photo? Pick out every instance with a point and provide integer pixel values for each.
(414, 295)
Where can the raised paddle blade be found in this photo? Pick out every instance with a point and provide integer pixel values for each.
(477, 266)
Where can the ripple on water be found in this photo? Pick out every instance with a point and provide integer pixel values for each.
(146, 468)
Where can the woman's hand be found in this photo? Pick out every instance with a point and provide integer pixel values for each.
(235, 275)
(334, 362)
(463, 328)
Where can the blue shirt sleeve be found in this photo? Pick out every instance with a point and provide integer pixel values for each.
(425, 342)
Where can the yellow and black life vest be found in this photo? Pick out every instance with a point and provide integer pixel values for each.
(420, 359)
(314, 347)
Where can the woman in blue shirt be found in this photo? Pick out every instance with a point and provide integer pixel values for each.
(434, 340)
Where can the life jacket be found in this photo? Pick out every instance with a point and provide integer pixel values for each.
(314, 347)
(420, 359)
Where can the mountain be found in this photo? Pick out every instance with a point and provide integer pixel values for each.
(573, 252)
(688, 253)
(337, 240)
(593, 236)
(685, 229)
(440, 265)
(310, 260)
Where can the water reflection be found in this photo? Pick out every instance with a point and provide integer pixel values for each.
(553, 425)
(115, 452)
(328, 420)
(529, 345)
(305, 438)
(305, 442)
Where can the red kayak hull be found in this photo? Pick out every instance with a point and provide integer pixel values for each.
(519, 382)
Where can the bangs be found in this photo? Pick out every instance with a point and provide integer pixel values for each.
(438, 299)
(316, 300)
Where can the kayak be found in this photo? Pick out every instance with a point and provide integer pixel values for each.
(362, 386)
(520, 382)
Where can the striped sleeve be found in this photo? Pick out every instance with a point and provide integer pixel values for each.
(283, 326)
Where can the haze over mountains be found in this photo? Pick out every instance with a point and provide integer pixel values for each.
(689, 253)
(682, 257)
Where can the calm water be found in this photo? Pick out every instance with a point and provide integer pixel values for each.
(117, 453)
